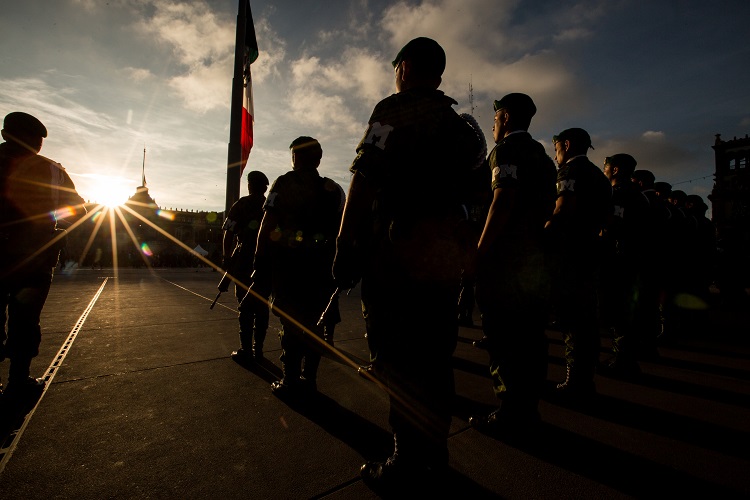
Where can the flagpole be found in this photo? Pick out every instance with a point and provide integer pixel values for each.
(234, 154)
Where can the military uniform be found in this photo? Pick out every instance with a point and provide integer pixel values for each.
(308, 209)
(648, 321)
(624, 251)
(244, 220)
(34, 191)
(576, 241)
(419, 155)
(512, 280)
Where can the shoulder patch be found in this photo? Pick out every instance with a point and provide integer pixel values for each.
(378, 134)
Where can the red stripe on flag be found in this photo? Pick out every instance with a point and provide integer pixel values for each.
(246, 139)
(248, 113)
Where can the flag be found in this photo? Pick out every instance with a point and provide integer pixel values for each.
(248, 112)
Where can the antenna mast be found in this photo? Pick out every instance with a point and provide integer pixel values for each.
(471, 97)
(143, 171)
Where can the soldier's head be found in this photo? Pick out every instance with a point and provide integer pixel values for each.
(677, 198)
(644, 178)
(619, 168)
(513, 112)
(420, 63)
(695, 204)
(257, 182)
(663, 189)
(571, 142)
(306, 153)
(24, 130)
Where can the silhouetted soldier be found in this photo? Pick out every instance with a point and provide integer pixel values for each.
(701, 254)
(405, 233)
(624, 250)
(584, 201)
(293, 260)
(240, 237)
(676, 235)
(648, 312)
(512, 278)
(31, 188)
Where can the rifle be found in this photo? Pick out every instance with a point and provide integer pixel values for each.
(232, 265)
(328, 310)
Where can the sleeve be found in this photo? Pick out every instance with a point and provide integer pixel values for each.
(504, 171)
(371, 151)
(566, 181)
(67, 190)
(272, 200)
(230, 223)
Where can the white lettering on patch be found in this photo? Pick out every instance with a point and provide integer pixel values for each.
(378, 134)
(271, 198)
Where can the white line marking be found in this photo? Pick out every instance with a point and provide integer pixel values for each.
(201, 296)
(15, 436)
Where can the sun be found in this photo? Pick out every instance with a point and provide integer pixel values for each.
(110, 192)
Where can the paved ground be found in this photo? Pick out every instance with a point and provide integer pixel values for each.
(145, 402)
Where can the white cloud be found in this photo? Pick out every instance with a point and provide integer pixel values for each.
(205, 87)
(138, 74)
(197, 35)
(201, 42)
(653, 136)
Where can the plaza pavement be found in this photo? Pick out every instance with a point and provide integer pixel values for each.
(144, 401)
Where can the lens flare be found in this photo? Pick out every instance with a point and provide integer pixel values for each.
(165, 215)
(146, 250)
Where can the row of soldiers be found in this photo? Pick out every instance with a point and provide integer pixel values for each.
(657, 264)
(548, 237)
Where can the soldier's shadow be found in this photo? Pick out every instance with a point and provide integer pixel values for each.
(374, 443)
(12, 414)
(264, 369)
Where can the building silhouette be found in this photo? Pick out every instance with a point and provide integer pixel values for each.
(142, 234)
(730, 199)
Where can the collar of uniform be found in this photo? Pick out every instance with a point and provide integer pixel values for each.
(571, 159)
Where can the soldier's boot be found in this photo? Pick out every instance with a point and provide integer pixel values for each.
(290, 384)
(245, 353)
(259, 338)
(400, 474)
(578, 387)
(310, 372)
(20, 384)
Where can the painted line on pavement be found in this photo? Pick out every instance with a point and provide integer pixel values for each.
(201, 296)
(15, 436)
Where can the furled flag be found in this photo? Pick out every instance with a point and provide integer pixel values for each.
(248, 113)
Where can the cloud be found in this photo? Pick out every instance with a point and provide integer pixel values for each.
(55, 105)
(201, 42)
(567, 35)
(138, 75)
(653, 136)
(671, 160)
(205, 87)
(196, 34)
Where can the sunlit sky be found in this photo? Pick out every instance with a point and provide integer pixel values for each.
(654, 79)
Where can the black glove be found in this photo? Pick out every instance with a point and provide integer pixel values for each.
(347, 265)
